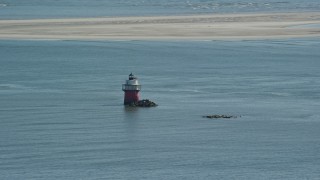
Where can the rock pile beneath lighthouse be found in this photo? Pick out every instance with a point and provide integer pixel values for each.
(143, 103)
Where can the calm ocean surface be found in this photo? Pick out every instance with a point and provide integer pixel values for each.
(62, 116)
(28, 9)
(61, 112)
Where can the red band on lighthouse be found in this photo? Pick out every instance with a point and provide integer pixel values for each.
(131, 96)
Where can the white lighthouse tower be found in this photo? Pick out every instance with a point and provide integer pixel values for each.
(131, 90)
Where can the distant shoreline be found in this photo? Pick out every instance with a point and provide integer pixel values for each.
(186, 27)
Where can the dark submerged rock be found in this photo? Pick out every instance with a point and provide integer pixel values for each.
(143, 103)
(217, 116)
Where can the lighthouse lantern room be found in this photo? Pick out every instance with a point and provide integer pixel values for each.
(131, 90)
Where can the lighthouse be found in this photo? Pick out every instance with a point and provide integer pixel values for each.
(131, 90)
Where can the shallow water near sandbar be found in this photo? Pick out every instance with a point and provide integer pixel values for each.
(62, 115)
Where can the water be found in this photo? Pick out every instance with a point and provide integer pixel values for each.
(62, 116)
(20, 9)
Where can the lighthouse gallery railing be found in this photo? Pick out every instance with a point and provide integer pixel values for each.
(131, 87)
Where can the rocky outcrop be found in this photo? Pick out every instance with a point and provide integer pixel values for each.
(143, 103)
(217, 116)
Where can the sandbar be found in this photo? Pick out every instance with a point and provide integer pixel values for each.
(186, 27)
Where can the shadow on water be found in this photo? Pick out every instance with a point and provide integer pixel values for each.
(130, 110)
(131, 116)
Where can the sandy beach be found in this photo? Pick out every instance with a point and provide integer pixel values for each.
(188, 27)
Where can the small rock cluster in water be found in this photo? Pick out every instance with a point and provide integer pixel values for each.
(215, 116)
(143, 103)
